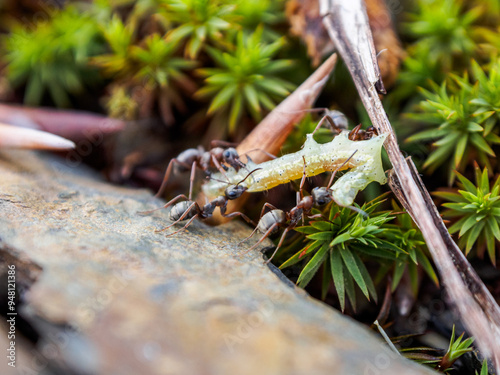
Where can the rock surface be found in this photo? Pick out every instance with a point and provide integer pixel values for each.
(108, 295)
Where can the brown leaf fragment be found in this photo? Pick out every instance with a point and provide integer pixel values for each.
(386, 41)
(305, 22)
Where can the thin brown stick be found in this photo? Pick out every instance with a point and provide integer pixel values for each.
(347, 25)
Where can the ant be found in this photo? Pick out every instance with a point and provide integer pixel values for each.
(338, 121)
(203, 160)
(356, 134)
(270, 222)
(190, 210)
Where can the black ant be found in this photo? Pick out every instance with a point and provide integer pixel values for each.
(190, 210)
(270, 222)
(338, 121)
(356, 134)
(203, 160)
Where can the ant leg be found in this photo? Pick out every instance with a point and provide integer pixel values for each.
(218, 143)
(191, 180)
(223, 209)
(268, 205)
(247, 238)
(184, 227)
(169, 203)
(167, 175)
(194, 204)
(261, 150)
(279, 244)
(219, 167)
(333, 126)
(234, 214)
(267, 234)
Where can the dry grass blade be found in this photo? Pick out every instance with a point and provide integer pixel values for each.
(347, 25)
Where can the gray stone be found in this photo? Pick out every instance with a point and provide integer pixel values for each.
(108, 295)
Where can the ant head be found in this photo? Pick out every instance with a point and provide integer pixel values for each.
(321, 196)
(234, 191)
(230, 154)
(370, 132)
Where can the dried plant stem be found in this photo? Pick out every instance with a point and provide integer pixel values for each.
(347, 25)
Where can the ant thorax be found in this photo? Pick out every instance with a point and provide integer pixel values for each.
(363, 159)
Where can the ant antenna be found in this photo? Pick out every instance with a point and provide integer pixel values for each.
(355, 209)
(248, 175)
(227, 182)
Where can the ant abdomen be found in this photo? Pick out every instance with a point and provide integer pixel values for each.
(186, 158)
(270, 219)
(180, 209)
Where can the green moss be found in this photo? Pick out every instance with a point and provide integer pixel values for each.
(52, 56)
